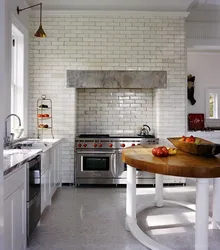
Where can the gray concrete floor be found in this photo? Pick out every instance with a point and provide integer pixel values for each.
(92, 218)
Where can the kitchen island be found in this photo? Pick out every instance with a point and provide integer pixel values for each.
(181, 164)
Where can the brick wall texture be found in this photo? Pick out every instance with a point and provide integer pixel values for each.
(107, 42)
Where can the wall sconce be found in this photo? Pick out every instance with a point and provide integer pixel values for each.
(40, 32)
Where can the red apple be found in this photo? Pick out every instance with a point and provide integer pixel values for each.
(154, 151)
(183, 138)
(188, 139)
(192, 138)
(160, 152)
(165, 152)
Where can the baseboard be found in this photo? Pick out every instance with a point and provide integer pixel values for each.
(67, 184)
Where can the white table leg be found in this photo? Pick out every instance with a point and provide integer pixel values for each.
(130, 196)
(159, 190)
(216, 203)
(202, 214)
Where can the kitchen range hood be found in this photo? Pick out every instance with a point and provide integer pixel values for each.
(108, 79)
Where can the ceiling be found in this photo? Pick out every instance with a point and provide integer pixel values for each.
(129, 5)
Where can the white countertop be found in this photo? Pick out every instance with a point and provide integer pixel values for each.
(14, 158)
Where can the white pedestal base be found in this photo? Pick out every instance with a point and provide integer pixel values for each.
(216, 204)
(202, 210)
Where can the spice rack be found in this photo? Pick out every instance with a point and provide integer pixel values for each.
(44, 117)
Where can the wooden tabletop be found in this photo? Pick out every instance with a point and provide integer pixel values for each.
(181, 164)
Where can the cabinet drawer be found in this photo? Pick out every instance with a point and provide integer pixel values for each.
(14, 181)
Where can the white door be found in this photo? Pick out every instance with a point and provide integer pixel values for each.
(19, 216)
(15, 220)
(8, 223)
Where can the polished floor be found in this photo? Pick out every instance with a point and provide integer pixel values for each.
(91, 218)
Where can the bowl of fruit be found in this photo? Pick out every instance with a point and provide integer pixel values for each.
(195, 145)
(163, 151)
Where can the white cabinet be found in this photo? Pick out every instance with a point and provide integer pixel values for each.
(45, 189)
(15, 210)
(50, 174)
(45, 179)
(55, 173)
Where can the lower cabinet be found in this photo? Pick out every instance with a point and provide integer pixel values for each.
(50, 175)
(45, 189)
(55, 175)
(15, 211)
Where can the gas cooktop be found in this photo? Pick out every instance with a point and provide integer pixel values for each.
(132, 136)
(94, 136)
(114, 136)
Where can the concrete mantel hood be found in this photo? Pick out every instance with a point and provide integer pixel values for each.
(116, 79)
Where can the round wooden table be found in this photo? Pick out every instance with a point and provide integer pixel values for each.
(181, 164)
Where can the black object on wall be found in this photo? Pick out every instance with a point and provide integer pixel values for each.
(190, 89)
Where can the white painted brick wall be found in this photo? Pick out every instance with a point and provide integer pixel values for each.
(108, 43)
(114, 111)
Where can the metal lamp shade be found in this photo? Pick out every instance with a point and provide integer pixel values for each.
(40, 32)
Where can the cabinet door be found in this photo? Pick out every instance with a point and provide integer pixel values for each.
(57, 165)
(43, 192)
(19, 217)
(56, 156)
(48, 187)
(8, 223)
(15, 220)
(53, 170)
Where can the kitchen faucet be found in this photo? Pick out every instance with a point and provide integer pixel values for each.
(8, 140)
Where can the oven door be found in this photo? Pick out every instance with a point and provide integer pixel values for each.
(122, 169)
(95, 164)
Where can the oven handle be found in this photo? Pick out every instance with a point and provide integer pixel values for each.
(96, 152)
(31, 202)
(120, 165)
(34, 161)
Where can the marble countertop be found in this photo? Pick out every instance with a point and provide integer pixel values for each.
(14, 158)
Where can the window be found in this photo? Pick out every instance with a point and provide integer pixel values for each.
(17, 77)
(212, 104)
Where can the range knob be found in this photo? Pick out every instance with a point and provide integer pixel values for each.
(100, 145)
(79, 145)
(95, 145)
(110, 145)
(122, 145)
(132, 144)
(84, 145)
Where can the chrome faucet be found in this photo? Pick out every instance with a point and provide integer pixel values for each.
(8, 140)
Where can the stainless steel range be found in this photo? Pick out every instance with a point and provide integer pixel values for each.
(99, 161)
